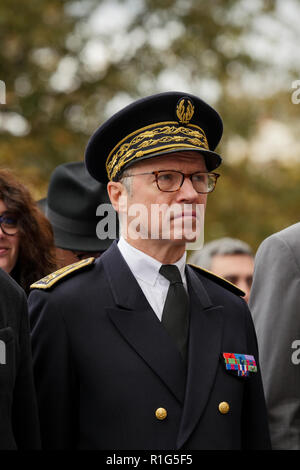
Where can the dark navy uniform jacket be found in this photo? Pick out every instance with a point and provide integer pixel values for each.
(104, 364)
(19, 427)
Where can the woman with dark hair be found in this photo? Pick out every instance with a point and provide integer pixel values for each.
(26, 253)
(26, 237)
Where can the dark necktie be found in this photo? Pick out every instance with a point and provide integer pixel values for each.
(176, 309)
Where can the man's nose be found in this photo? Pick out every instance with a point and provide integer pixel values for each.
(187, 190)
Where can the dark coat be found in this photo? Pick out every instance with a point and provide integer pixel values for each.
(104, 363)
(19, 426)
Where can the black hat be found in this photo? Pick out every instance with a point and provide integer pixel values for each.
(156, 125)
(42, 203)
(72, 199)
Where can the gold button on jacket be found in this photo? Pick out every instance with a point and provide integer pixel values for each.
(224, 407)
(161, 413)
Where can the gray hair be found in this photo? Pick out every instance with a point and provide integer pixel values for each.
(127, 182)
(222, 246)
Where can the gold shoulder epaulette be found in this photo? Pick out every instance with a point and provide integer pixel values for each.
(219, 280)
(51, 279)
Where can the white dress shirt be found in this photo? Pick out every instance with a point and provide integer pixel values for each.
(146, 271)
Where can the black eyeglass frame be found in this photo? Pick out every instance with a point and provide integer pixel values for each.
(3, 230)
(184, 175)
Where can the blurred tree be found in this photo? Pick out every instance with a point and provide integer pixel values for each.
(68, 65)
(251, 202)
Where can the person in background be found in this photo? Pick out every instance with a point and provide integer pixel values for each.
(229, 258)
(71, 203)
(26, 238)
(274, 304)
(19, 425)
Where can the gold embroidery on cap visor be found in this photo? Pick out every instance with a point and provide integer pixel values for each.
(163, 136)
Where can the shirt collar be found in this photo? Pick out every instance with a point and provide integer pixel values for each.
(144, 266)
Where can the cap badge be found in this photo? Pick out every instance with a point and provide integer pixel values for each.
(185, 110)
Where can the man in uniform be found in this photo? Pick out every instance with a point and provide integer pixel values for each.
(137, 350)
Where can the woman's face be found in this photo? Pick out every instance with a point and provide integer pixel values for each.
(9, 244)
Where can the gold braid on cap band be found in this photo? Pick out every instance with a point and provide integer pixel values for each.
(151, 139)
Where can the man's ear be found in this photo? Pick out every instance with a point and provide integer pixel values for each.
(115, 190)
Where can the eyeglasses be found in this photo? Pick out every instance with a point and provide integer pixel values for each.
(9, 225)
(171, 180)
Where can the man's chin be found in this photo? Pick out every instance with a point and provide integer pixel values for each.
(184, 233)
(185, 239)
(180, 238)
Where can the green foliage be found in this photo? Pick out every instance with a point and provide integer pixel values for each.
(251, 202)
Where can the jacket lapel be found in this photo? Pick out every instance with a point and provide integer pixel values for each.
(204, 348)
(139, 325)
